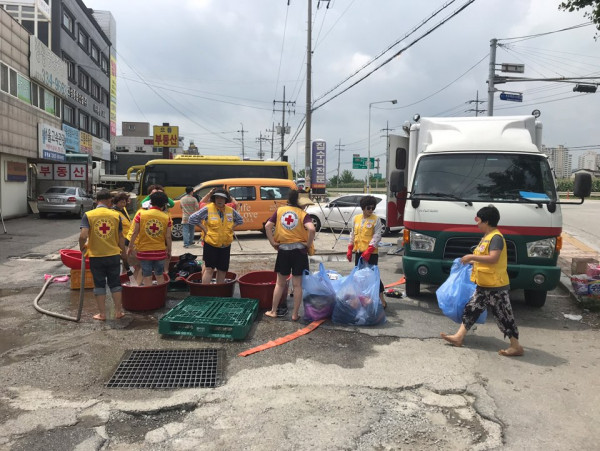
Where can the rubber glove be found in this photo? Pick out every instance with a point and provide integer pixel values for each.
(366, 255)
(349, 253)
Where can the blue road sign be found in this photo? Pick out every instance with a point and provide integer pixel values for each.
(511, 97)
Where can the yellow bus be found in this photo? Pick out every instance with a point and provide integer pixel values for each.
(191, 170)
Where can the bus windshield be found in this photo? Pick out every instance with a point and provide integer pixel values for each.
(176, 176)
(484, 177)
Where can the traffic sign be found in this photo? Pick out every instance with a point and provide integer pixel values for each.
(361, 163)
(511, 97)
(377, 176)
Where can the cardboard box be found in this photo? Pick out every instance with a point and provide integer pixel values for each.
(579, 264)
(76, 279)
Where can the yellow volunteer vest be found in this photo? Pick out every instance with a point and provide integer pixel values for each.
(219, 231)
(103, 239)
(485, 274)
(131, 228)
(125, 222)
(364, 229)
(153, 228)
(289, 227)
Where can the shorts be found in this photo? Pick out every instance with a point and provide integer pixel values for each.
(294, 262)
(152, 266)
(216, 257)
(106, 270)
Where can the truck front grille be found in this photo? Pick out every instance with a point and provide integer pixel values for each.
(457, 247)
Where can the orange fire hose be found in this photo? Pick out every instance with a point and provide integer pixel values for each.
(281, 340)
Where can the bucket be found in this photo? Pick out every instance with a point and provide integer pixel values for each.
(71, 258)
(222, 290)
(260, 285)
(149, 297)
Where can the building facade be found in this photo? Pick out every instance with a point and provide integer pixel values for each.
(560, 161)
(589, 160)
(57, 97)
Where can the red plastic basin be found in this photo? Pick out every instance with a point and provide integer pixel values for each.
(221, 290)
(144, 298)
(260, 285)
(71, 258)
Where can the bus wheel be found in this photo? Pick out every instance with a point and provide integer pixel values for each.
(535, 298)
(177, 230)
(413, 288)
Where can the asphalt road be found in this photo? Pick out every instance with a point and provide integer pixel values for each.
(397, 386)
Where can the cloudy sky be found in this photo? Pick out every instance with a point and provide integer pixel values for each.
(213, 67)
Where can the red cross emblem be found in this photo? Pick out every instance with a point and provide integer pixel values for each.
(289, 220)
(153, 228)
(104, 228)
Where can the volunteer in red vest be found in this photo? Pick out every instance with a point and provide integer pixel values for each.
(217, 221)
(489, 274)
(153, 226)
(365, 236)
(102, 241)
(291, 231)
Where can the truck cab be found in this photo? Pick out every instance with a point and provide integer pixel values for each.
(449, 168)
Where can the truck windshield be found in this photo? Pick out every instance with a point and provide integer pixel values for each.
(484, 177)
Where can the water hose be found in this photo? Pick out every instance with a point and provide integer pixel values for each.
(81, 296)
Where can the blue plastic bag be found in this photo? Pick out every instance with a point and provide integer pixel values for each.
(456, 291)
(318, 294)
(357, 298)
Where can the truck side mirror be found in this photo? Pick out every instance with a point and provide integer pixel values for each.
(583, 185)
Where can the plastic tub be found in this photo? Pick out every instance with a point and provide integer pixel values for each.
(260, 285)
(71, 258)
(143, 298)
(221, 290)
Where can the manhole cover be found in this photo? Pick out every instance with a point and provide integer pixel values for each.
(181, 368)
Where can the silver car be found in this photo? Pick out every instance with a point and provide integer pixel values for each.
(339, 213)
(64, 199)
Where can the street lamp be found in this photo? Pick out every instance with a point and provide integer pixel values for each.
(369, 145)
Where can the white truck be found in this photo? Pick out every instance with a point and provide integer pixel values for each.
(447, 169)
(110, 181)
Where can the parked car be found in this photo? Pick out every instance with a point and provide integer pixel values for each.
(257, 199)
(339, 213)
(64, 199)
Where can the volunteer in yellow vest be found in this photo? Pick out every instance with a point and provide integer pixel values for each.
(102, 241)
(153, 226)
(293, 238)
(217, 222)
(365, 236)
(132, 259)
(489, 274)
(120, 201)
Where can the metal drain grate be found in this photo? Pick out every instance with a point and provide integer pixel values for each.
(181, 368)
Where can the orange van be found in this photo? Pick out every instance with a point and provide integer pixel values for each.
(257, 199)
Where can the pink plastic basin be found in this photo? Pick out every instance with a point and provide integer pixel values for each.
(260, 285)
(144, 298)
(222, 290)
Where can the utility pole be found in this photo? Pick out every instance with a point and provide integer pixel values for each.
(387, 131)
(339, 149)
(260, 140)
(272, 132)
(242, 131)
(307, 139)
(284, 129)
(476, 102)
(491, 76)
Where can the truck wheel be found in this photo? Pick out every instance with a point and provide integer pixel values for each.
(316, 222)
(413, 288)
(177, 230)
(535, 298)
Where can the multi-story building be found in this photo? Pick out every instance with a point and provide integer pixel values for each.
(560, 160)
(57, 96)
(589, 160)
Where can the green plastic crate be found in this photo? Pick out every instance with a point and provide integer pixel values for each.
(213, 317)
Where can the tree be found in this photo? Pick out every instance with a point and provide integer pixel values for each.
(576, 5)
(347, 177)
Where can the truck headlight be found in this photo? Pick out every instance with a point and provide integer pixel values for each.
(542, 248)
(420, 242)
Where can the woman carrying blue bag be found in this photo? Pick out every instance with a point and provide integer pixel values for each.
(489, 274)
